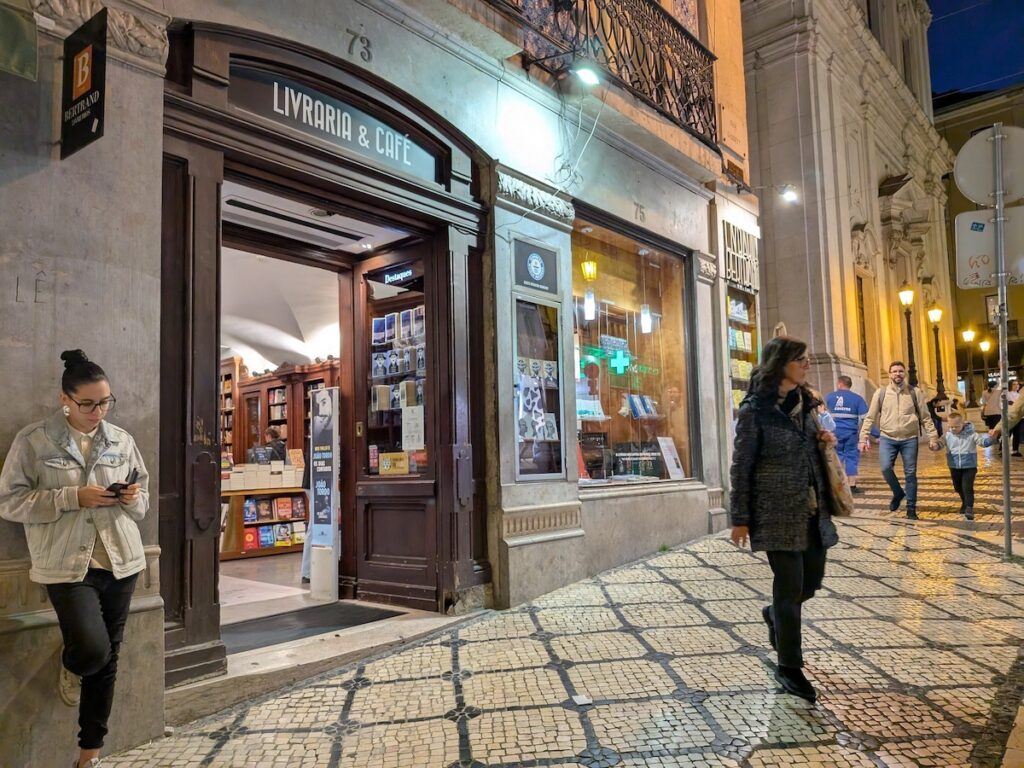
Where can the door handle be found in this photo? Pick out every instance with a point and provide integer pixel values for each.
(359, 429)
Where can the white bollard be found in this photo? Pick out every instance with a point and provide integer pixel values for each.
(323, 574)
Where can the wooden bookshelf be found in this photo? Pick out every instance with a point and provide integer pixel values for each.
(235, 525)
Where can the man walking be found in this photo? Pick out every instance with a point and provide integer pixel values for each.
(902, 414)
(848, 409)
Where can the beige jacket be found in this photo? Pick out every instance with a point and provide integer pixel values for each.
(39, 488)
(898, 421)
(1014, 415)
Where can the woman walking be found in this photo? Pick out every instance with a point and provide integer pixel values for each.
(991, 405)
(78, 485)
(780, 496)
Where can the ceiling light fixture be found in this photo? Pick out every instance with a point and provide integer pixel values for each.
(320, 213)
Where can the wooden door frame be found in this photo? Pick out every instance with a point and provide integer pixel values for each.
(199, 122)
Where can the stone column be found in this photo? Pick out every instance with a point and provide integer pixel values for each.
(80, 245)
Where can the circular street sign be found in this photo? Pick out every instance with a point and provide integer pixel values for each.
(974, 170)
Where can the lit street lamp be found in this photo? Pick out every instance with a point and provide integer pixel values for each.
(985, 346)
(907, 299)
(935, 315)
(968, 337)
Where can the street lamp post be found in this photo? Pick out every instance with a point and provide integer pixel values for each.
(968, 337)
(985, 346)
(907, 299)
(935, 315)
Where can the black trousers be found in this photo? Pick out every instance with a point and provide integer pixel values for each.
(798, 576)
(1016, 435)
(963, 482)
(92, 614)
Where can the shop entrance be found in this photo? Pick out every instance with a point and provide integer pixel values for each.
(291, 267)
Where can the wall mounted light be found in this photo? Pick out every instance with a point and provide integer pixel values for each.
(788, 193)
(906, 294)
(586, 75)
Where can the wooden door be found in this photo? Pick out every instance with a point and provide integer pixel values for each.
(396, 532)
(189, 398)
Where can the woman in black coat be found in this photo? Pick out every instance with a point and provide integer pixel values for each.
(780, 496)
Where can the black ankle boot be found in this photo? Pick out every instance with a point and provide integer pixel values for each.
(897, 499)
(793, 681)
(766, 614)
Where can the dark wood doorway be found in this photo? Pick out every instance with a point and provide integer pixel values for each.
(417, 539)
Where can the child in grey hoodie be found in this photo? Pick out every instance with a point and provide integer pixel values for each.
(962, 444)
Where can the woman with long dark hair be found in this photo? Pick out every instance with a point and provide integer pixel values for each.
(78, 485)
(780, 496)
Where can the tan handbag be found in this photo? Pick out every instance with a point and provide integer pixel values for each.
(838, 484)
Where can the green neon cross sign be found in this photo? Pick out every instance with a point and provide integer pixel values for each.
(619, 361)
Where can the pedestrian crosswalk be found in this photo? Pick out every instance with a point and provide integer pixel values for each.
(936, 499)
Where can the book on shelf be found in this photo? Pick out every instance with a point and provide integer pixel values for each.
(267, 538)
(249, 512)
(299, 507)
(283, 535)
(298, 533)
(283, 508)
(250, 539)
(264, 509)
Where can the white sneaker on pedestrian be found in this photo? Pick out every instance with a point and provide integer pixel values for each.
(69, 686)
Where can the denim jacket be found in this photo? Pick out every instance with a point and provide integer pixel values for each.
(962, 449)
(39, 488)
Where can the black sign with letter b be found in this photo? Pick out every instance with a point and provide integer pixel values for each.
(84, 87)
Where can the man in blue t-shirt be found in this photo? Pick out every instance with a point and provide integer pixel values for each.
(848, 409)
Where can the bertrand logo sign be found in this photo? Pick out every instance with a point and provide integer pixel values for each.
(84, 86)
(325, 117)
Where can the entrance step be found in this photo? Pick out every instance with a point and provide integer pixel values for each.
(254, 673)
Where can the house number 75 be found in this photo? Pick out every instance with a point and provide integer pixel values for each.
(362, 42)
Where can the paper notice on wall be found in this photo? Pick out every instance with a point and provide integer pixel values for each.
(672, 463)
(412, 428)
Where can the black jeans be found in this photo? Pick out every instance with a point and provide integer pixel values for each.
(798, 576)
(963, 482)
(92, 614)
(1016, 434)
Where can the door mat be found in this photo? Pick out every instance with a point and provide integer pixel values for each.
(285, 627)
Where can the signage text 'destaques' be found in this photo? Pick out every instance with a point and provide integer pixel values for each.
(325, 117)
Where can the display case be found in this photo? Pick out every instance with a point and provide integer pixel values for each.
(537, 390)
(396, 373)
(743, 342)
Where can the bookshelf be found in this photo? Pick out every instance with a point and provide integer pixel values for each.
(743, 343)
(230, 372)
(248, 513)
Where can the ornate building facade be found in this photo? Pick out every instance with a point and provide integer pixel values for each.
(839, 100)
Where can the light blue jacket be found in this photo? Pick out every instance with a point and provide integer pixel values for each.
(39, 488)
(962, 449)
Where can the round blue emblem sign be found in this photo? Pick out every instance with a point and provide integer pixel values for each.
(535, 266)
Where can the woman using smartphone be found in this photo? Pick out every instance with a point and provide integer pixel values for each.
(78, 485)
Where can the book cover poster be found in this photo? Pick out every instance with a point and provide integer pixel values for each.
(283, 535)
(380, 365)
(379, 325)
(299, 507)
(264, 509)
(390, 326)
(406, 324)
(283, 508)
(671, 457)
(267, 538)
(249, 514)
(250, 539)
(421, 359)
(419, 321)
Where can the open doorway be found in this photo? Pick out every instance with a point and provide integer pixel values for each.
(285, 324)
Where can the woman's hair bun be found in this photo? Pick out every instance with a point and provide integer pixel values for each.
(73, 357)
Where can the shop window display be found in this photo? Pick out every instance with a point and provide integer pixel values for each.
(743, 343)
(538, 404)
(629, 327)
(396, 426)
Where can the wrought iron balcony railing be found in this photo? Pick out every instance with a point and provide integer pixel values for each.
(637, 43)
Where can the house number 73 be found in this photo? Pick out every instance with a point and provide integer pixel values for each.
(361, 43)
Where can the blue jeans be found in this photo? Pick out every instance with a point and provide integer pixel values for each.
(907, 449)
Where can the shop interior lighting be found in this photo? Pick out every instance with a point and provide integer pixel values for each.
(646, 319)
(589, 269)
(589, 305)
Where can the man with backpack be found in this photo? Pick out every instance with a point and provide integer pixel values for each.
(902, 415)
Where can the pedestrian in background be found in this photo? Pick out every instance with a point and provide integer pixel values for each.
(902, 415)
(848, 409)
(938, 408)
(78, 485)
(962, 444)
(780, 496)
(1012, 395)
(991, 407)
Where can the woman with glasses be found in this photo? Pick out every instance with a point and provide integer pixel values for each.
(78, 485)
(780, 496)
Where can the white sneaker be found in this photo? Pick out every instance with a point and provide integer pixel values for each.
(94, 763)
(69, 686)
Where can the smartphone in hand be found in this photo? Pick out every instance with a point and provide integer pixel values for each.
(119, 488)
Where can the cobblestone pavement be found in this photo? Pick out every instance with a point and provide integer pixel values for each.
(936, 499)
(914, 643)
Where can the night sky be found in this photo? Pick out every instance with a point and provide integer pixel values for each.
(976, 45)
